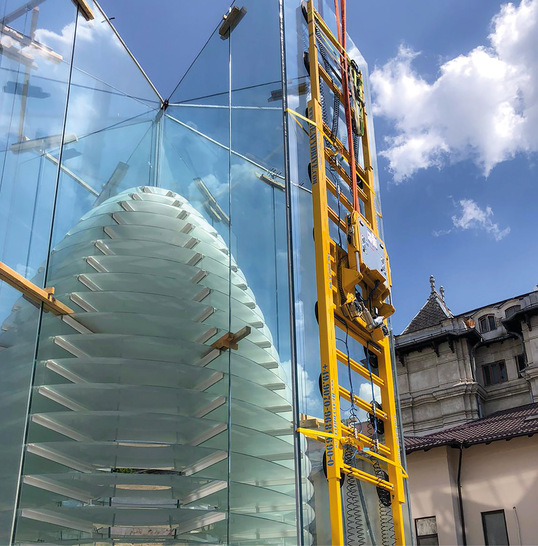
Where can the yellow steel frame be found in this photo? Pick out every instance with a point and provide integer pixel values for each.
(336, 434)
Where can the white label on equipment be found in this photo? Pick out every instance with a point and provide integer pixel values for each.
(372, 239)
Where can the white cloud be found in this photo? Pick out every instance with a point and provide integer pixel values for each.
(307, 386)
(365, 392)
(87, 31)
(61, 43)
(440, 232)
(471, 216)
(483, 105)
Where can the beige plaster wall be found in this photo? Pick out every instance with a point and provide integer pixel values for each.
(497, 476)
(502, 475)
(432, 491)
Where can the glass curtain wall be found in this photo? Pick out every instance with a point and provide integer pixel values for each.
(164, 226)
(34, 81)
(79, 127)
(223, 150)
(258, 240)
(165, 230)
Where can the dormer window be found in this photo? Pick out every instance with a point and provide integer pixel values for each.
(487, 323)
(511, 311)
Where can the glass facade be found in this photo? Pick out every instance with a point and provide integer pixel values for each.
(163, 226)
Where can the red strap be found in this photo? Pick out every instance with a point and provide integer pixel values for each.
(342, 34)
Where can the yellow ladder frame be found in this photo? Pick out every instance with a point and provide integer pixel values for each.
(336, 435)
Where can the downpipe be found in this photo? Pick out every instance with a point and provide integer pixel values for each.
(460, 499)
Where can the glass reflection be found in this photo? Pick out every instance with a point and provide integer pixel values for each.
(34, 80)
(164, 227)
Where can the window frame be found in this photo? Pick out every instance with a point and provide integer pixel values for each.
(492, 370)
(512, 310)
(419, 537)
(491, 512)
(520, 363)
(487, 323)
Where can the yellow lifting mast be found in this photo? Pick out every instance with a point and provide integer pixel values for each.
(353, 280)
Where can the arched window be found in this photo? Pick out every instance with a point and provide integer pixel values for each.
(512, 310)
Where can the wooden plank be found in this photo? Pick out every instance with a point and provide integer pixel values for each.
(84, 9)
(230, 341)
(33, 292)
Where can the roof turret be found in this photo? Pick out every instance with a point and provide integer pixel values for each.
(432, 313)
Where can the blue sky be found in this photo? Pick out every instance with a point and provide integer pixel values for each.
(456, 120)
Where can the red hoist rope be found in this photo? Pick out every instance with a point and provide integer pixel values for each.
(344, 68)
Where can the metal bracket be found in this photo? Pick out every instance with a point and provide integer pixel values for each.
(231, 20)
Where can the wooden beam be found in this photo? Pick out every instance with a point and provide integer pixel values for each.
(84, 9)
(20, 11)
(33, 292)
(230, 341)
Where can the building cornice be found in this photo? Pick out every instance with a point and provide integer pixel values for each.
(432, 338)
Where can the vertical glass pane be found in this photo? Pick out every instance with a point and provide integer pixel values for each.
(33, 78)
(207, 77)
(195, 162)
(98, 425)
(263, 428)
(314, 485)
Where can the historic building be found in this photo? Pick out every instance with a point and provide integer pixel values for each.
(466, 382)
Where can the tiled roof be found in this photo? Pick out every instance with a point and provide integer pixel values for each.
(502, 425)
(433, 312)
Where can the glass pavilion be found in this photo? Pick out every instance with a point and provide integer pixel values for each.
(163, 225)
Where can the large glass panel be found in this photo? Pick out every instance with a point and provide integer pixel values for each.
(314, 485)
(207, 79)
(34, 80)
(259, 246)
(95, 417)
(164, 228)
(195, 162)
